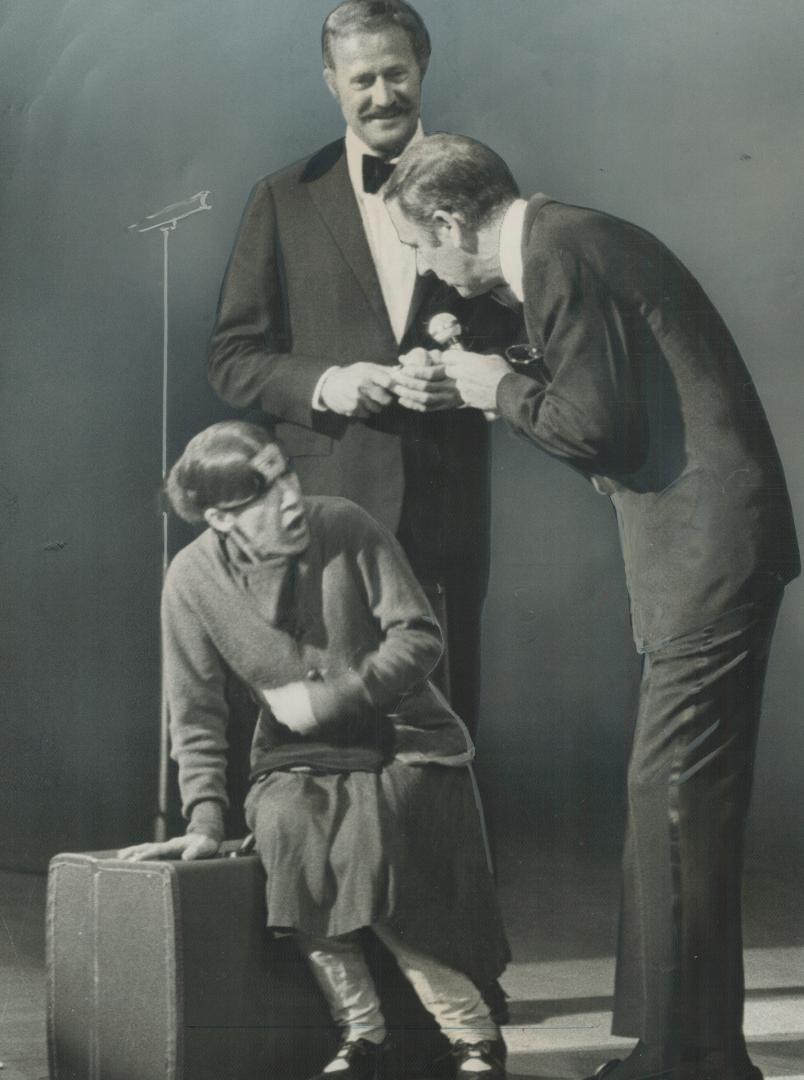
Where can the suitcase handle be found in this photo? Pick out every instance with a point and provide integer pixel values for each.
(245, 847)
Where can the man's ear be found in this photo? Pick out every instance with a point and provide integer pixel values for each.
(449, 228)
(329, 79)
(219, 520)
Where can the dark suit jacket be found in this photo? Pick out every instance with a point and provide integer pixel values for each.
(301, 294)
(647, 392)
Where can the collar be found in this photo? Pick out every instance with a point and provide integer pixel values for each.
(276, 583)
(511, 231)
(356, 148)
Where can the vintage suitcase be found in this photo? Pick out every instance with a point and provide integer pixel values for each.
(164, 971)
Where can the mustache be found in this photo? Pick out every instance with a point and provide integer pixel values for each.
(400, 108)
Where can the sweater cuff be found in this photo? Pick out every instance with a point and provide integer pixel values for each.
(333, 700)
(206, 817)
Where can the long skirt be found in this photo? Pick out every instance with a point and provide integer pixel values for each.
(403, 847)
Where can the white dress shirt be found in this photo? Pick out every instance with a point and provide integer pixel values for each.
(513, 226)
(394, 261)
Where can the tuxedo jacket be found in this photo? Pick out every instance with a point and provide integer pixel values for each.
(645, 392)
(300, 295)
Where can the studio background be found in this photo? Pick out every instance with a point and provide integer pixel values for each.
(682, 117)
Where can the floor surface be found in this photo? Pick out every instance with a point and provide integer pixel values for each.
(560, 911)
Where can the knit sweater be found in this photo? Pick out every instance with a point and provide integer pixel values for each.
(347, 618)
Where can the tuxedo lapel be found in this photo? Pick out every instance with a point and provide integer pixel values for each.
(335, 201)
(430, 296)
(422, 288)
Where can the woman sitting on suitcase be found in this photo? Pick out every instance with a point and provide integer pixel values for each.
(361, 802)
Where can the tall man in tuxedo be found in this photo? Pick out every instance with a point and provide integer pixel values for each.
(643, 390)
(319, 302)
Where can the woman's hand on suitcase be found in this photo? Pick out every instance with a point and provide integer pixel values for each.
(191, 846)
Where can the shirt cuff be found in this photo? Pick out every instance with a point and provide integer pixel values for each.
(318, 404)
(295, 699)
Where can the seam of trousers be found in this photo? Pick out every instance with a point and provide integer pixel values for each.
(677, 910)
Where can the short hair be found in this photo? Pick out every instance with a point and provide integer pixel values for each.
(372, 17)
(451, 173)
(215, 469)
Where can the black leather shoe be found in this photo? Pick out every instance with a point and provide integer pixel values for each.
(487, 1060)
(633, 1074)
(687, 1071)
(604, 1069)
(358, 1059)
(706, 1071)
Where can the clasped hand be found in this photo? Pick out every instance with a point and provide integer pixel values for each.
(358, 389)
(476, 377)
(421, 382)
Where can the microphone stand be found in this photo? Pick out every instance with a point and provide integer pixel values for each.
(166, 221)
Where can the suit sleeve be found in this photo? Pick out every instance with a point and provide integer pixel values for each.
(251, 361)
(410, 642)
(589, 413)
(194, 680)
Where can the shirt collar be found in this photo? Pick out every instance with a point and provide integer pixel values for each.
(356, 148)
(513, 226)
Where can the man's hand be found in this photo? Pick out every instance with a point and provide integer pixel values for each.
(421, 382)
(476, 377)
(190, 846)
(357, 390)
(291, 706)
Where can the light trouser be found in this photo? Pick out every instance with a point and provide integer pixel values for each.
(679, 974)
(340, 970)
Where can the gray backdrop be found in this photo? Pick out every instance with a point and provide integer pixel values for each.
(683, 117)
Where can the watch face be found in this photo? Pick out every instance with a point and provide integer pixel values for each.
(523, 354)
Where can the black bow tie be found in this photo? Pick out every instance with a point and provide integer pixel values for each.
(375, 173)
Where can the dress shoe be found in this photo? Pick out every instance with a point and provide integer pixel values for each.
(687, 1071)
(479, 1061)
(605, 1069)
(355, 1060)
(705, 1071)
(629, 1071)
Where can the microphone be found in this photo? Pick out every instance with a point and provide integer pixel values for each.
(445, 330)
(168, 216)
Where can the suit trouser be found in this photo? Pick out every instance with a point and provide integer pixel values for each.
(458, 675)
(457, 601)
(679, 984)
